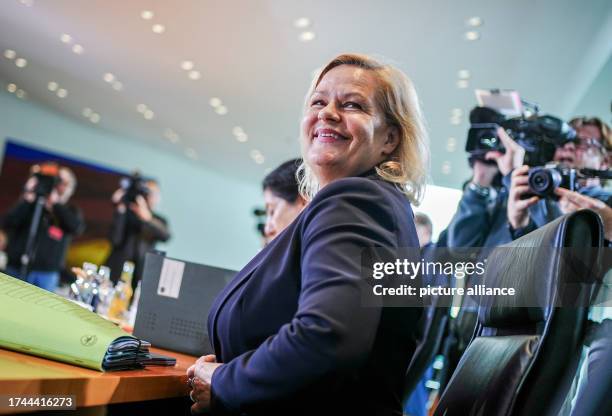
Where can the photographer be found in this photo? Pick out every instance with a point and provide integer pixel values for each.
(136, 228)
(527, 212)
(480, 220)
(51, 186)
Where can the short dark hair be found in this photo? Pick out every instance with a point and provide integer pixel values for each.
(423, 219)
(282, 181)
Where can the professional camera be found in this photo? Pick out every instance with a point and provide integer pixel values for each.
(543, 180)
(47, 178)
(134, 186)
(538, 135)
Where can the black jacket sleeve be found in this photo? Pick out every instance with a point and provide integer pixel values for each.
(70, 218)
(19, 215)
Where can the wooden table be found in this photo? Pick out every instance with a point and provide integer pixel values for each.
(22, 374)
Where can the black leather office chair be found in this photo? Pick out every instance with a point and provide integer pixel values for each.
(522, 358)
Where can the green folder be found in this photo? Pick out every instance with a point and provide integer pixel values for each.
(38, 322)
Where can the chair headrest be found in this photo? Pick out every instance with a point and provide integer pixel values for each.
(548, 267)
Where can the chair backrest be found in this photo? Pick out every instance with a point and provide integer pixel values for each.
(526, 347)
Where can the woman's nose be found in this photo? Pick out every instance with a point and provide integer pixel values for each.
(269, 230)
(329, 112)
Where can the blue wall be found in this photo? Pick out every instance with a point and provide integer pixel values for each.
(210, 215)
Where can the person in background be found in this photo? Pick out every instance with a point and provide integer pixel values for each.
(481, 219)
(59, 222)
(527, 213)
(135, 230)
(282, 198)
(290, 332)
(424, 229)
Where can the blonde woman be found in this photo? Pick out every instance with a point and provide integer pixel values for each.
(290, 333)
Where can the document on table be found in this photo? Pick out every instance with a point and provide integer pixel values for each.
(36, 321)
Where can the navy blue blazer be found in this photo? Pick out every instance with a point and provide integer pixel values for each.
(291, 328)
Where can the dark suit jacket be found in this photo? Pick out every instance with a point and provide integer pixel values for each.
(291, 328)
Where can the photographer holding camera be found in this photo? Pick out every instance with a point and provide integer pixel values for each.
(480, 220)
(136, 228)
(41, 225)
(527, 210)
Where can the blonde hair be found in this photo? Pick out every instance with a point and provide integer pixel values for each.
(396, 97)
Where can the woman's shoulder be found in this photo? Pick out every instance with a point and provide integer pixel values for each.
(347, 197)
(356, 186)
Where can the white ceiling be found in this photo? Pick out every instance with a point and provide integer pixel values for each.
(249, 55)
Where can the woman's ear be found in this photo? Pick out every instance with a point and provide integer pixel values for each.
(391, 142)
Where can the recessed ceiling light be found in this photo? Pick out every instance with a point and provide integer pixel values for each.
(455, 120)
(10, 54)
(159, 29)
(191, 154)
(52, 86)
(215, 102)
(474, 21)
(463, 74)
(94, 118)
(221, 110)
(237, 130)
(62, 93)
(148, 114)
(78, 49)
(446, 168)
(462, 83)
(171, 135)
(108, 77)
(141, 108)
(117, 86)
(147, 14)
(11, 88)
(65, 38)
(242, 137)
(456, 112)
(451, 144)
(260, 160)
(20, 62)
(254, 153)
(302, 23)
(87, 112)
(307, 36)
(20, 93)
(472, 35)
(195, 75)
(187, 65)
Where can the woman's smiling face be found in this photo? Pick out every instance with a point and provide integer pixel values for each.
(344, 132)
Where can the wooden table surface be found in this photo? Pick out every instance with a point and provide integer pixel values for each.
(22, 374)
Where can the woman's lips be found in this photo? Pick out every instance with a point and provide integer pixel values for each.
(328, 136)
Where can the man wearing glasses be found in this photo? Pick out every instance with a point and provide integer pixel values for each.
(590, 150)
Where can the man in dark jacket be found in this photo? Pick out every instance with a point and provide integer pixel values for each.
(59, 222)
(135, 230)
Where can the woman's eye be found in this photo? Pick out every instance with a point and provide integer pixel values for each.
(351, 104)
(317, 103)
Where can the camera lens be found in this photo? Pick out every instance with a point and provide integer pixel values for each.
(544, 181)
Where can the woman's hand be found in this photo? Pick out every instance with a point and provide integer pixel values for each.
(200, 377)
